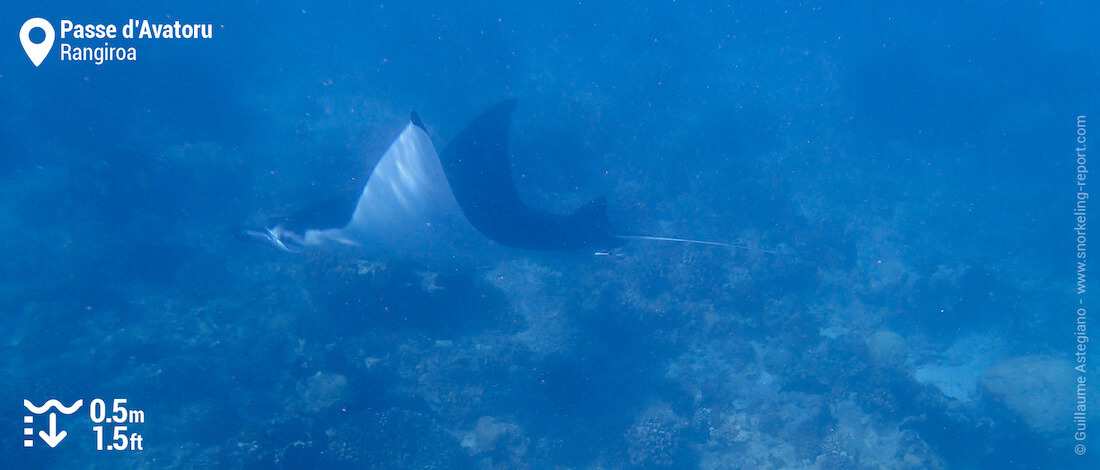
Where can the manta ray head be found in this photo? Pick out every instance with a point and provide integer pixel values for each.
(275, 237)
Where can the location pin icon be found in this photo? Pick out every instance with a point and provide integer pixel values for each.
(37, 52)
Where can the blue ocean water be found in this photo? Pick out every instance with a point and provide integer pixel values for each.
(904, 177)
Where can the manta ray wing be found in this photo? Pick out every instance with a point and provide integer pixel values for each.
(407, 209)
(479, 169)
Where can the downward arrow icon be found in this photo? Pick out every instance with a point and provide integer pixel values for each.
(53, 438)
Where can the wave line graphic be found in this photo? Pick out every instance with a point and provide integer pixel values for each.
(53, 403)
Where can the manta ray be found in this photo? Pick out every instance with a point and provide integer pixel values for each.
(445, 210)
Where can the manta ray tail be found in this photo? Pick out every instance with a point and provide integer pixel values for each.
(692, 241)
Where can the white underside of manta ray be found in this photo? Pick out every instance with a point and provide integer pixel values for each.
(406, 210)
(448, 210)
